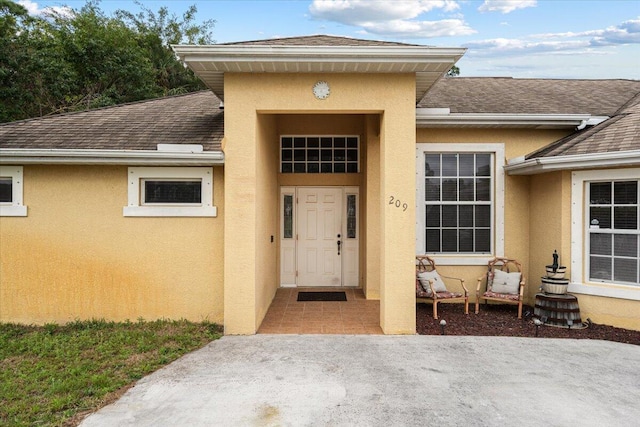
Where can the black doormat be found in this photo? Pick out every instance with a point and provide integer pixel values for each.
(322, 296)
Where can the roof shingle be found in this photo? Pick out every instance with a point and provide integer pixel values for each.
(193, 118)
(530, 96)
(317, 40)
(619, 133)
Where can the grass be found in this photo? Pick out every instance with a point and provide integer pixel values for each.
(52, 374)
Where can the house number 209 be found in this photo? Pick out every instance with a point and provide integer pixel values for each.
(397, 203)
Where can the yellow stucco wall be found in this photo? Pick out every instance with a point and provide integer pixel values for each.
(76, 257)
(517, 190)
(622, 313)
(551, 198)
(251, 96)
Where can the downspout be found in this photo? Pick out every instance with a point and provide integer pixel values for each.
(582, 125)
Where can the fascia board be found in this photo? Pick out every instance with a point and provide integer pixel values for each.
(424, 118)
(109, 157)
(573, 162)
(399, 54)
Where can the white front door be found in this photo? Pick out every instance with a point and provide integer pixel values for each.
(319, 236)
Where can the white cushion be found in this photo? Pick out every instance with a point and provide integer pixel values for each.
(438, 284)
(506, 283)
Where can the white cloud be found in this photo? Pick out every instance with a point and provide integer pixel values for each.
(34, 9)
(392, 18)
(505, 6)
(419, 29)
(627, 33)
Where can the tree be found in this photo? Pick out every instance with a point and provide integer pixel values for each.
(85, 59)
(158, 31)
(453, 72)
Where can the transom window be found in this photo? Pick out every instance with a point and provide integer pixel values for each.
(319, 154)
(458, 202)
(613, 231)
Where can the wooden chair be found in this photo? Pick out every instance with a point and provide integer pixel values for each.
(431, 288)
(507, 287)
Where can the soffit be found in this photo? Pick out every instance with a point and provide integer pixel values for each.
(210, 62)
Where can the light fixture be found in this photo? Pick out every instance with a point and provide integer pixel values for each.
(443, 323)
(538, 323)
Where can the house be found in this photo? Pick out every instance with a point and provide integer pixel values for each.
(319, 161)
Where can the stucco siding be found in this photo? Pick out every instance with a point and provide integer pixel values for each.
(75, 256)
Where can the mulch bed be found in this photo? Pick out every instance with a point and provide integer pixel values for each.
(502, 320)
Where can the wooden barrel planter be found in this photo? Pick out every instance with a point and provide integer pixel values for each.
(558, 310)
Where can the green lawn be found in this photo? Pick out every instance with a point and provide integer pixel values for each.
(50, 374)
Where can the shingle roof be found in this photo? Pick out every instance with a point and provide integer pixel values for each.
(193, 118)
(530, 96)
(196, 118)
(317, 40)
(619, 133)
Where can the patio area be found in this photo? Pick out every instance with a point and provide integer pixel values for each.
(287, 315)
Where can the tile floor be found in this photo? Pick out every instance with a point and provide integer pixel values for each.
(356, 315)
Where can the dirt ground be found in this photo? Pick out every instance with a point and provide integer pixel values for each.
(502, 320)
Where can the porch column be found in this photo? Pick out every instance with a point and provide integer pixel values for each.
(240, 221)
(397, 220)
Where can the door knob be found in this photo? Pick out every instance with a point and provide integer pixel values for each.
(339, 244)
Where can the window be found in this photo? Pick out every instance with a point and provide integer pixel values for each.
(352, 216)
(460, 202)
(319, 154)
(608, 236)
(287, 229)
(168, 191)
(613, 231)
(11, 191)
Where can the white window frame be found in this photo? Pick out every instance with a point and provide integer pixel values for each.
(15, 207)
(137, 208)
(580, 283)
(497, 227)
(319, 161)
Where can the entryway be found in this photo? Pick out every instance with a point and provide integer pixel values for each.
(287, 315)
(319, 243)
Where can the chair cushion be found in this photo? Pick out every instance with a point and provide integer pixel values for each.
(511, 297)
(505, 283)
(447, 294)
(438, 284)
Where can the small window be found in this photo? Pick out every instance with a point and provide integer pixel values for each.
(174, 192)
(11, 191)
(6, 189)
(313, 154)
(351, 216)
(166, 191)
(288, 216)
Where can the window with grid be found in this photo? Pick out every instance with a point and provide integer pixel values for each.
(613, 232)
(319, 154)
(458, 202)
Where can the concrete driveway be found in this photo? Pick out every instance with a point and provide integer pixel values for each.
(367, 380)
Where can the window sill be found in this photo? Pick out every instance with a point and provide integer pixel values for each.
(13, 211)
(461, 260)
(173, 211)
(606, 290)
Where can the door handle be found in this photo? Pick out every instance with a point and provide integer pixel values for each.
(339, 244)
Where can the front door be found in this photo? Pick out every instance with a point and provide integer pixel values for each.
(319, 236)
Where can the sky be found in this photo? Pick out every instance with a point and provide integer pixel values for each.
(589, 39)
